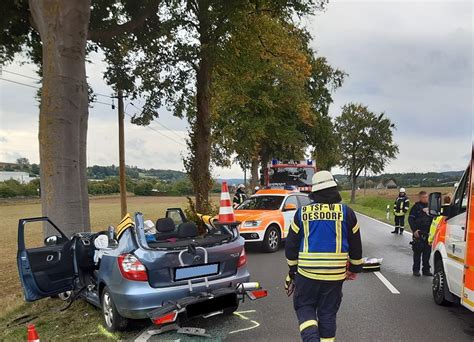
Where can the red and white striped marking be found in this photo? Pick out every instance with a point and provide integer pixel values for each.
(226, 212)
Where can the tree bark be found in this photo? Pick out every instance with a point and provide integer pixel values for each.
(62, 26)
(353, 188)
(254, 180)
(201, 174)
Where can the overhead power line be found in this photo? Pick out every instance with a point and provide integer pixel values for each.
(16, 82)
(18, 74)
(160, 132)
(159, 123)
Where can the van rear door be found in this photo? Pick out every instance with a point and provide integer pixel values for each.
(467, 298)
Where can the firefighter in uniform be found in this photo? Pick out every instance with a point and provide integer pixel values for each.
(400, 208)
(239, 196)
(323, 248)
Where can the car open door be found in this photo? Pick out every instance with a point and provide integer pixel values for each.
(467, 298)
(48, 269)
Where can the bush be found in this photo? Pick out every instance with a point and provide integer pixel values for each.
(143, 188)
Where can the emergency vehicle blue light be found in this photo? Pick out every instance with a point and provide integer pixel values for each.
(309, 161)
(290, 187)
(274, 161)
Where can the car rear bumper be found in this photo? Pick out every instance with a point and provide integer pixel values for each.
(138, 299)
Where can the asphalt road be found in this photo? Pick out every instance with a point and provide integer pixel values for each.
(370, 311)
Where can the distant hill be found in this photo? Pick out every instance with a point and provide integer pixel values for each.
(230, 181)
(102, 172)
(410, 179)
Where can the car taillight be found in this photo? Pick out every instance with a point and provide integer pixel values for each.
(132, 268)
(165, 319)
(242, 259)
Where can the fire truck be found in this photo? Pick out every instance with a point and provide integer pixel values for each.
(453, 244)
(288, 174)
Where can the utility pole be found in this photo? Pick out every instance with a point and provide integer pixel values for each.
(123, 187)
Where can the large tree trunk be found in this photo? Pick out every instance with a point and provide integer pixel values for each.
(201, 175)
(62, 26)
(353, 188)
(254, 181)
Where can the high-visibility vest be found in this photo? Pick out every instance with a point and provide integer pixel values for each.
(324, 247)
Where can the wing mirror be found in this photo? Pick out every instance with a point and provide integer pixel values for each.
(52, 240)
(289, 206)
(434, 204)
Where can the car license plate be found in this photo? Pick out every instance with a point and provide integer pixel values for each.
(199, 271)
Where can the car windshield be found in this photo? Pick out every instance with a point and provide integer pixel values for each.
(262, 203)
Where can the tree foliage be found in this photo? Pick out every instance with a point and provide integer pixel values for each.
(273, 95)
(366, 141)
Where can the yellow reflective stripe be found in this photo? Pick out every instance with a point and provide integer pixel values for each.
(320, 255)
(338, 236)
(307, 324)
(329, 277)
(325, 263)
(324, 270)
(355, 261)
(355, 229)
(306, 236)
(295, 228)
(327, 339)
(292, 262)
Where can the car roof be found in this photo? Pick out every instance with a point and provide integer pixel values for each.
(277, 192)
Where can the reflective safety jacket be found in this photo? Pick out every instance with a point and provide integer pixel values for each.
(401, 206)
(323, 240)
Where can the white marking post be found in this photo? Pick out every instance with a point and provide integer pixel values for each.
(386, 283)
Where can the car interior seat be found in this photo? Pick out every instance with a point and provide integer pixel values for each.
(187, 230)
(166, 229)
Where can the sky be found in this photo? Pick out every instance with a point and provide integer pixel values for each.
(411, 60)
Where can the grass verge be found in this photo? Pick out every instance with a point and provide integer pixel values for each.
(374, 202)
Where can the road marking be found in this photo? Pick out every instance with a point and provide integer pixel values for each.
(386, 283)
(381, 222)
(239, 314)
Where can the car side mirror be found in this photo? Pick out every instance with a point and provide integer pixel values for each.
(289, 206)
(51, 240)
(434, 203)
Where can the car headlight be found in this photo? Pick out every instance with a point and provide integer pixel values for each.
(251, 224)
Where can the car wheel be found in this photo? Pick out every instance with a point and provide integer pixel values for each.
(272, 239)
(440, 286)
(112, 319)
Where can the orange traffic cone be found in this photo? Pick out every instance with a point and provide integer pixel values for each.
(32, 334)
(226, 212)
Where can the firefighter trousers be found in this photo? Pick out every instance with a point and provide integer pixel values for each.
(316, 303)
(399, 221)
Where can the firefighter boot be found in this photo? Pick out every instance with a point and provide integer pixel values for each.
(395, 231)
(401, 231)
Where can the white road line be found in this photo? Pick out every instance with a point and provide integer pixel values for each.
(386, 283)
(381, 222)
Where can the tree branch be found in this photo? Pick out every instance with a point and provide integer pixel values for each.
(130, 26)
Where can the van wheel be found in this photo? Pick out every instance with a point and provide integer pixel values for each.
(271, 240)
(112, 319)
(440, 286)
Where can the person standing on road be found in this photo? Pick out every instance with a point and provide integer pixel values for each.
(239, 196)
(420, 222)
(323, 248)
(400, 208)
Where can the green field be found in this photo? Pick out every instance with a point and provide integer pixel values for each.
(374, 202)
